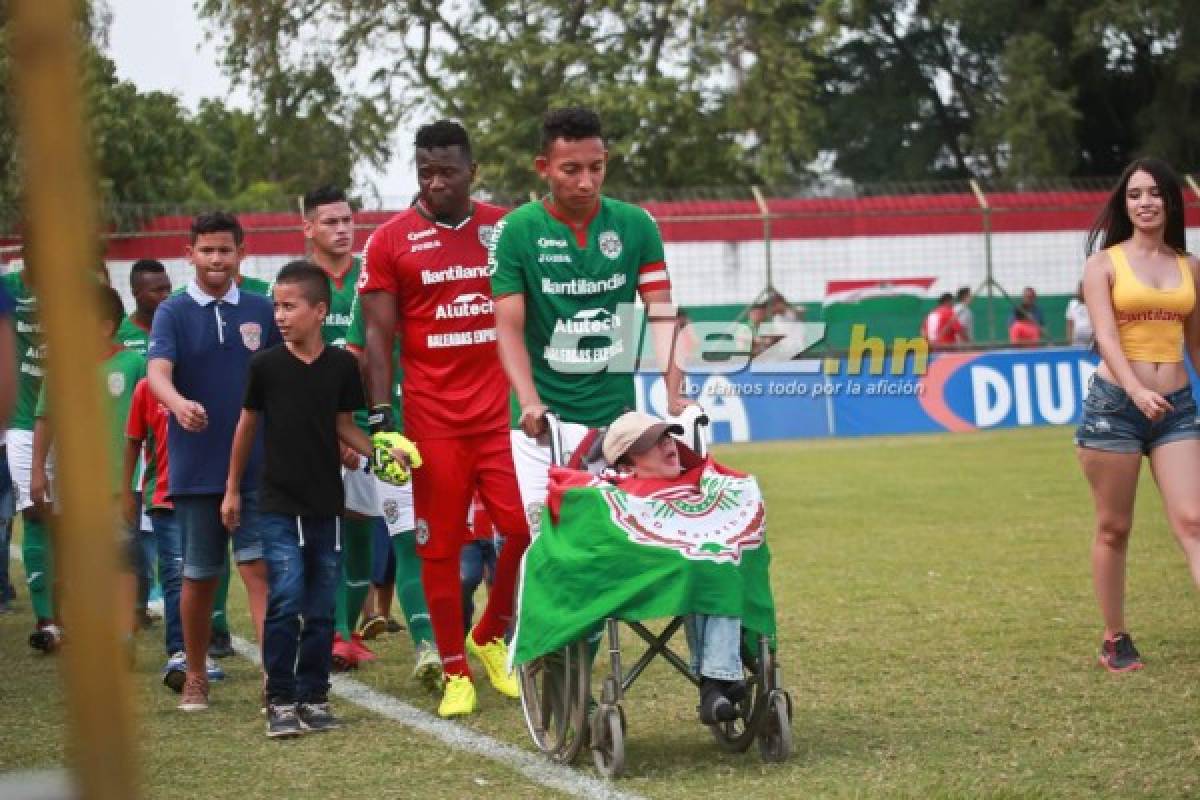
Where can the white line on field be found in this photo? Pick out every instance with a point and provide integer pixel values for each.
(534, 767)
(564, 779)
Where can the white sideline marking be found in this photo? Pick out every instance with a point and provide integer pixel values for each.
(553, 776)
(535, 767)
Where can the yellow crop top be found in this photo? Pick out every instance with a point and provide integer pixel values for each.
(1149, 320)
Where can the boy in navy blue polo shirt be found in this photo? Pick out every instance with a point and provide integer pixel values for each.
(201, 342)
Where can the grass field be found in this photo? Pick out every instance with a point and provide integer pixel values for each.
(938, 635)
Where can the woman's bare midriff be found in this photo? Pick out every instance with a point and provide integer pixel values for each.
(1163, 378)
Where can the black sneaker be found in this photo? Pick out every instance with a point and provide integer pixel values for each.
(317, 717)
(282, 721)
(1119, 655)
(46, 637)
(220, 644)
(714, 705)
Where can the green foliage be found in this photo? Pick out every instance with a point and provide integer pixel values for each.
(692, 93)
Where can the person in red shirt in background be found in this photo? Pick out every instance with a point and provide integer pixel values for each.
(942, 328)
(1024, 331)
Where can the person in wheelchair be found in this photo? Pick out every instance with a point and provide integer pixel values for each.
(647, 458)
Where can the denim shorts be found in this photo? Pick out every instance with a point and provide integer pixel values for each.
(205, 539)
(1112, 422)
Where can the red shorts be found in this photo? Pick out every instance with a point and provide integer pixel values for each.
(452, 472)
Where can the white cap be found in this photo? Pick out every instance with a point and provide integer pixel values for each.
(634, 432)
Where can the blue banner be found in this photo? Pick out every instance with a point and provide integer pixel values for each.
(957, 392)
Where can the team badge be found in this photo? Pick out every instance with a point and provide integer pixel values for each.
(487, 234)
(251, 335)
(116, 384)
(533, 515)
(422, 532)
(610, 244)
(391, 511)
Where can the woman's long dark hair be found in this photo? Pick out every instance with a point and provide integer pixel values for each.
(1113, 226)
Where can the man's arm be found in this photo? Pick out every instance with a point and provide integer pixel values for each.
(379, 311)
(243, 443)
(38, 481)
(190, 414)
(514, 357)
(664, 328)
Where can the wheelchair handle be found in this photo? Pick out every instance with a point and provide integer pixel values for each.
(694, 422)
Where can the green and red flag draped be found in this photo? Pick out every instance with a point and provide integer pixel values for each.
(644, 548)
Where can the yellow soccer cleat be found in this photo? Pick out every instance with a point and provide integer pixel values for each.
(494, 656)
(459, 698)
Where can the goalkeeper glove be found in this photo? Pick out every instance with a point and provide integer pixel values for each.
(387, 468)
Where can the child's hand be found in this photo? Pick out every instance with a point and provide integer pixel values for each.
(231, 510)
(129, 506)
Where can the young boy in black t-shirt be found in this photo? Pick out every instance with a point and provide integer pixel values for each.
(307, 393)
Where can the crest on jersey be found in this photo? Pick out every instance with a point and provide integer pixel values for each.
(116, 384)
(251, 335)
(610, 244)
(487, 234)
(422, 532)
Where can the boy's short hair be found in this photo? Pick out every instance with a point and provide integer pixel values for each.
(573, 124)
(217, 222)
(323, 196)
(311, 279)
(111, 308)
(963, 293)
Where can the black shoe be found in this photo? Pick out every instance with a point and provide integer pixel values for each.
(735, 691)
(714, 705)
(317, 717)
(282, 721)
(393, 626)
(1119, 655)
(220, 645)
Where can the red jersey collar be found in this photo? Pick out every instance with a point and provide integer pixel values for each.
(580, 228)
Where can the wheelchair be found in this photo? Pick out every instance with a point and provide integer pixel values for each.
(556, 688)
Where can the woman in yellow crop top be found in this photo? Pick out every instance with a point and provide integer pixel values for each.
(1140, 291)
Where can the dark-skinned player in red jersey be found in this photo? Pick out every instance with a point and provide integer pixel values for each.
(426, 278)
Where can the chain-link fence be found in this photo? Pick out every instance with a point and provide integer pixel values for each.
(833, 251)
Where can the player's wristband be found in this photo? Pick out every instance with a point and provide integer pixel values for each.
(380, 419)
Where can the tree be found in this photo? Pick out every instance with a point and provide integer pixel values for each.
(678, 83)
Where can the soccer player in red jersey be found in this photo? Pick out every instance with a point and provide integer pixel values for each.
(426, 277)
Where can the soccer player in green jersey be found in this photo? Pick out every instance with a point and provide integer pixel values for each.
(150, 285)
(329, 233)
(565, 268)
(35, 546)
(119, 374)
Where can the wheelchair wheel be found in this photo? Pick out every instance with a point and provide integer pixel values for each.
(775, 738)
(554, 698)
(608, 740)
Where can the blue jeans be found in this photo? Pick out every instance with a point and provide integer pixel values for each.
(478, 561)
(147, 555)
(168, 537)
(205, 540)
(716, 646)
(7, 511)
(303, 570)
(383, 557)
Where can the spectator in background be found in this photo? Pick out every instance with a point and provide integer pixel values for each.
(1022, 330)
(1029, 305)
(1079, 323)
(962, 312)
(941, 328)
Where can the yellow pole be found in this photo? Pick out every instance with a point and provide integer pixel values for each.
(61, 209)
